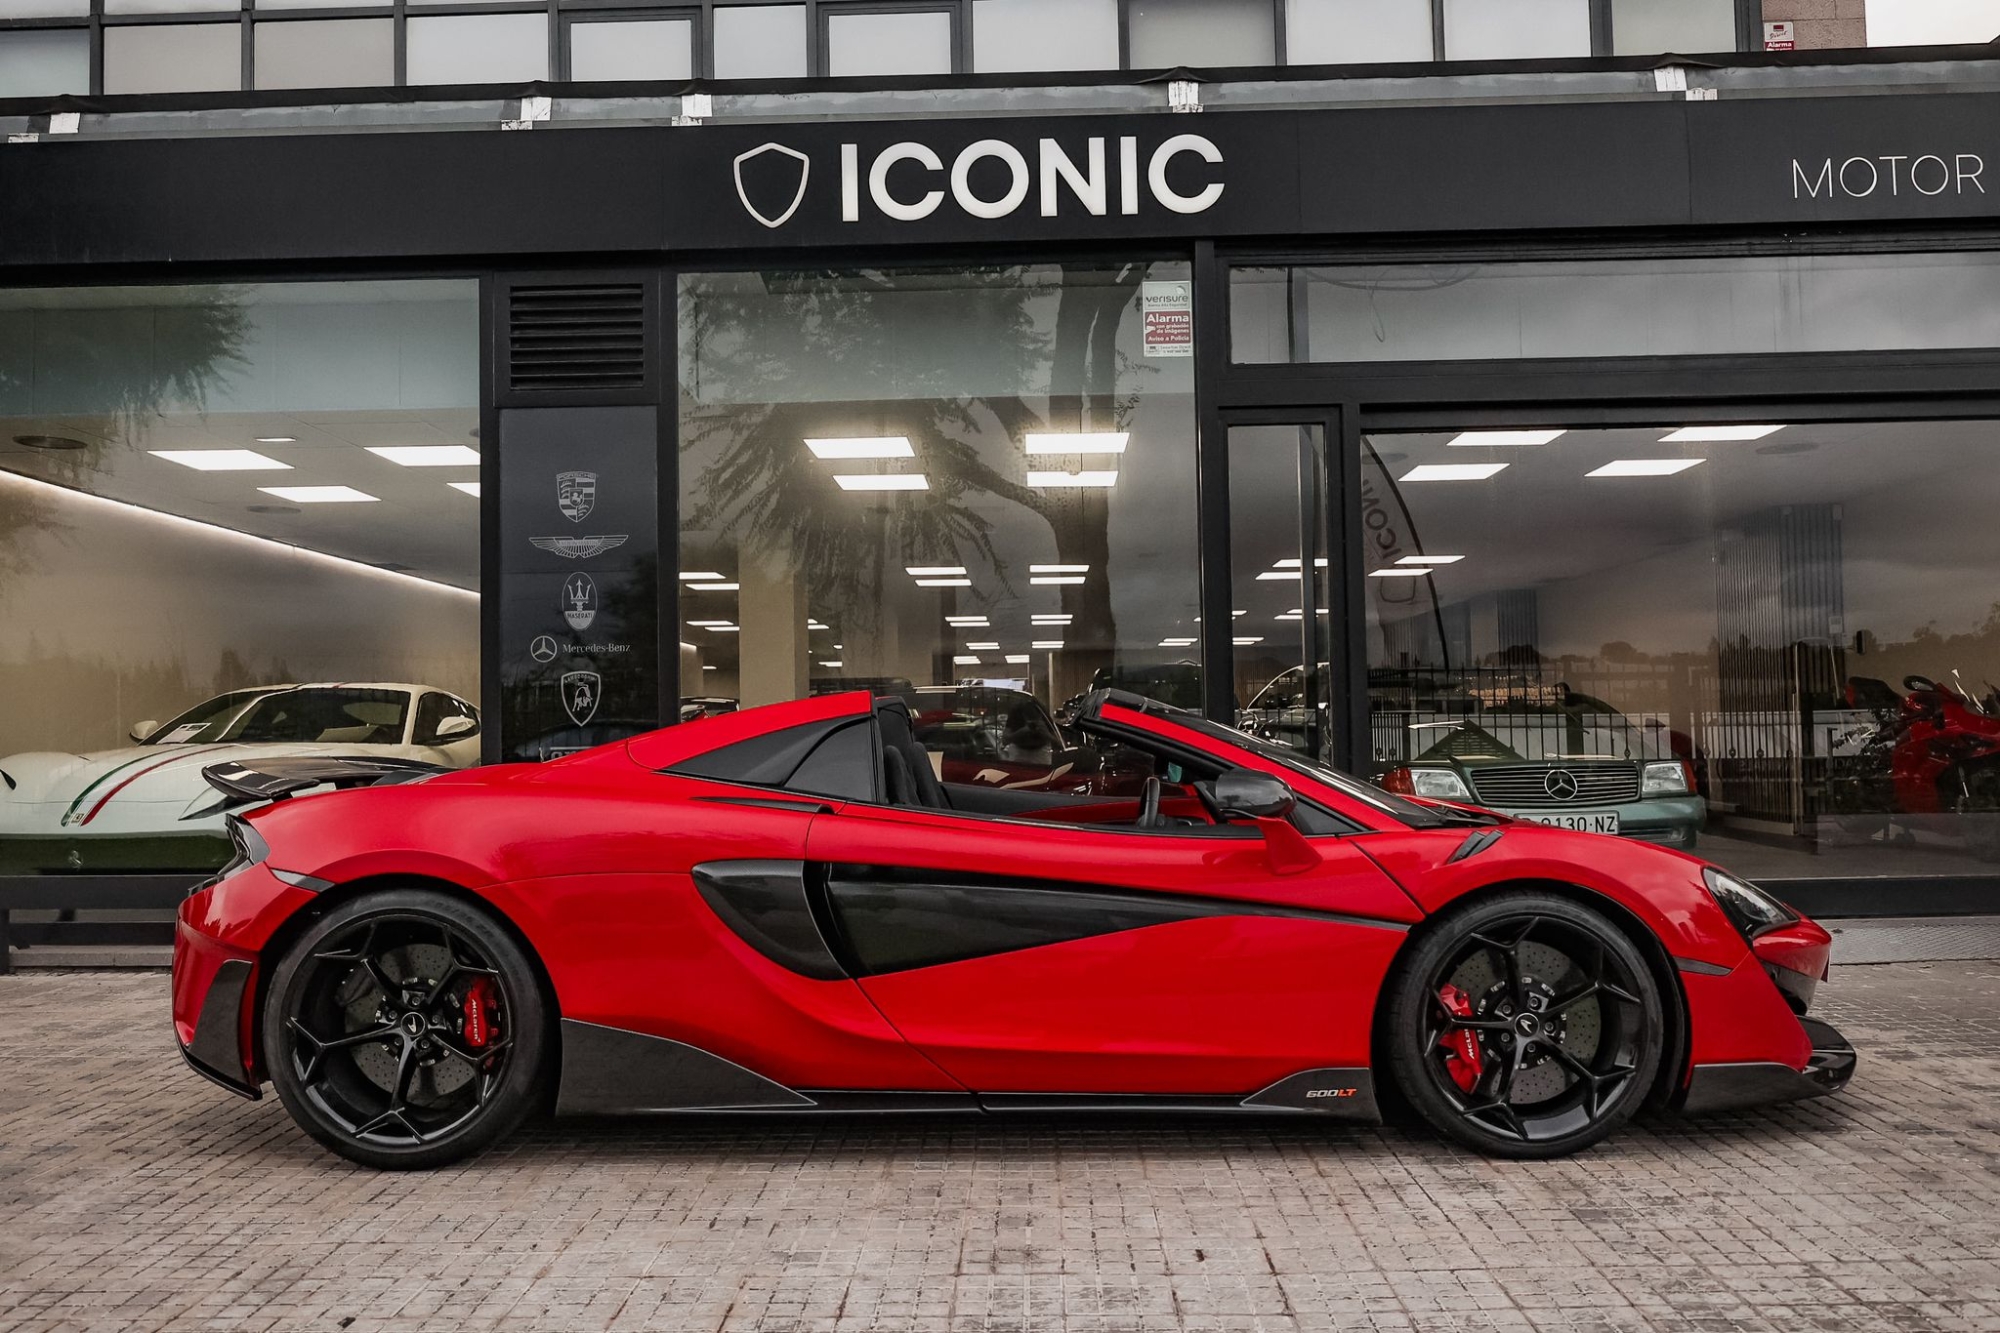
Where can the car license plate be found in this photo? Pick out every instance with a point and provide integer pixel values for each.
(1584, 821)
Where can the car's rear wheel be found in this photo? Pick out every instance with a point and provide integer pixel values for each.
(1524, 1025)
(405, 1029)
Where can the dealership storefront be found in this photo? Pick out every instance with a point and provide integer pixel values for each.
(1487, 449)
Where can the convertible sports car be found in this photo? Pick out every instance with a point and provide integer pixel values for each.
(784, 910)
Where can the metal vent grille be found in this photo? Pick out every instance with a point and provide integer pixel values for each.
(1516, 788)
(576, 336)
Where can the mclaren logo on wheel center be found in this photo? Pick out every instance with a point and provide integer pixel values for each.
(909, 181)
(1561, 784)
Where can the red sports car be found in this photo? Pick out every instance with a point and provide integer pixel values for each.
(785, 910)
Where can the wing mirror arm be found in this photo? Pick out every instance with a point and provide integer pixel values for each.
(1245, 795)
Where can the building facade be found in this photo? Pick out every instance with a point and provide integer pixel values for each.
(1468, 392)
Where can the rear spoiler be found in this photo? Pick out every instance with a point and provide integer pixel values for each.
(263, 780)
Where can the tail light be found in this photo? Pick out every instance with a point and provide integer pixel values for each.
(1399, 781)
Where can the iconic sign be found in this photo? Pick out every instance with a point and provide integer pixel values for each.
(578, 548)
(580, 691)
(1859, 177)
(908, 181)
(576, 494)
(579, 600)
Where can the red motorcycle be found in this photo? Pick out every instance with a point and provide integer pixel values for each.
(1934, 751)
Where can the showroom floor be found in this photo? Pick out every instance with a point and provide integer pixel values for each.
(135, 1196)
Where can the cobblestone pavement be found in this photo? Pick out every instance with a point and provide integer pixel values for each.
(135, 1196)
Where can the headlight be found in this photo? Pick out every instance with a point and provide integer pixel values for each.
(1665, 779)
(1751, 910)
(1440, 784)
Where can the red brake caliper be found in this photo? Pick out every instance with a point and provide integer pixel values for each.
(479, 1006)
(1461, 1045)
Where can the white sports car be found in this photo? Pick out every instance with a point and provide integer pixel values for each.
(146, 808)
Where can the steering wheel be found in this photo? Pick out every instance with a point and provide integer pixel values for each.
(1149, 803)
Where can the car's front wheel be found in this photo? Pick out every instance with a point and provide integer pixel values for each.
(1524, 1025)
(405, 1029)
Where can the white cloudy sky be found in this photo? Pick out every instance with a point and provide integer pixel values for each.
(1915, 22)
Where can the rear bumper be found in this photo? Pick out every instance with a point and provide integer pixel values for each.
(1727, 1087)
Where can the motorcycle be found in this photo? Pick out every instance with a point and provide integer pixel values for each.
(1934, 750)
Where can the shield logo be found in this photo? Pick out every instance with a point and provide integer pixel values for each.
(579, 695)
(771, 182)
(576, 494)
(579, 601)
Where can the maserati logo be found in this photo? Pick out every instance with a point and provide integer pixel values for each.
(779, 180)
(579, 695)
(1560, 784)
(578, 548)
(576, 494)
(579, 601)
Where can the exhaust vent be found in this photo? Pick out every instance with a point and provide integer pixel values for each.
(579, 336)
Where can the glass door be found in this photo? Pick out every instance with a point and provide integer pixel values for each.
(1280, 602)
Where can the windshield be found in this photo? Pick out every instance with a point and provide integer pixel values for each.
(329, 715)
(210, 714)
(1408, 812)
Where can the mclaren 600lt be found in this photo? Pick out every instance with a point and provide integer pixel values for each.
(785, 910)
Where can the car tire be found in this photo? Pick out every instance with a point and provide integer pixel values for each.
(406, 1029)
(1524, 1024)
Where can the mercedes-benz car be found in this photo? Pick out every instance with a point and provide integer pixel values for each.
(785, 911)
(145, 807)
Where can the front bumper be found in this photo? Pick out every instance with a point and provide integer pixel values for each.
(1728, 1087)
(212, 1001)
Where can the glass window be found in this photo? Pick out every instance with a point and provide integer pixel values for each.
(632, 49)
(43, 9)
(1202, 33)
(44, 63)
(973, 488)
(1341, 32)
(1031, 35)
(326, 53)
(1647, 27)
(165, 6)
(478, 48)
(1622, 307)
(1515, 29)
(236, 512)
(1729, 636)
(760, 42)
(1278, 600)
(320, 4)
(914, 43)
(173, 58)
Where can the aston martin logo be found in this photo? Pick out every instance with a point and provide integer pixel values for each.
(579, 695)
(576, 494)
(779, 181)
(1560, 784)
(579, 601)
(578, 548)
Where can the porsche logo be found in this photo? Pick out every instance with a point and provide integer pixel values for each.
(1561, 784)
(576, 494)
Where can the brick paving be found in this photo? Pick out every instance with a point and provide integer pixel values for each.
(135, 1196)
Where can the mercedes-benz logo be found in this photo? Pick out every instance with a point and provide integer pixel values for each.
(1560, 784)
(543, 649)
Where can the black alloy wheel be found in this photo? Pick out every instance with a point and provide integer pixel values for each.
(405, 1029)
(1525, 1025)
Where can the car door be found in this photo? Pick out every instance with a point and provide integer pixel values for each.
(1030, 957)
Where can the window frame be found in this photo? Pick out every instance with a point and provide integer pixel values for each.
(821, 13)
(700, 53)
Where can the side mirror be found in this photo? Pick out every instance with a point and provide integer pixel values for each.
(140, 731)
(456, 726)
(1245, 793)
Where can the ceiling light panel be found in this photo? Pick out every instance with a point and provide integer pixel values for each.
(1245, 640)
(1176, 643)
(1718, 434)
(944, 583)
(1017, 659)
(469, 487)
(1047, 643)
(1058, 569)
(869, 446)
(993, 647)
(221, 460)
(887, 481)
(1454, 471)
(700, 576)
(319, 495)
(964, 660)
(933, 571)
(1645, 467)
(1082, 442)
(715, 587)
(1503, 439)
(427, 455)
(1430, 559)
(1400, 572)
(1050, 620)
(1054, 580)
